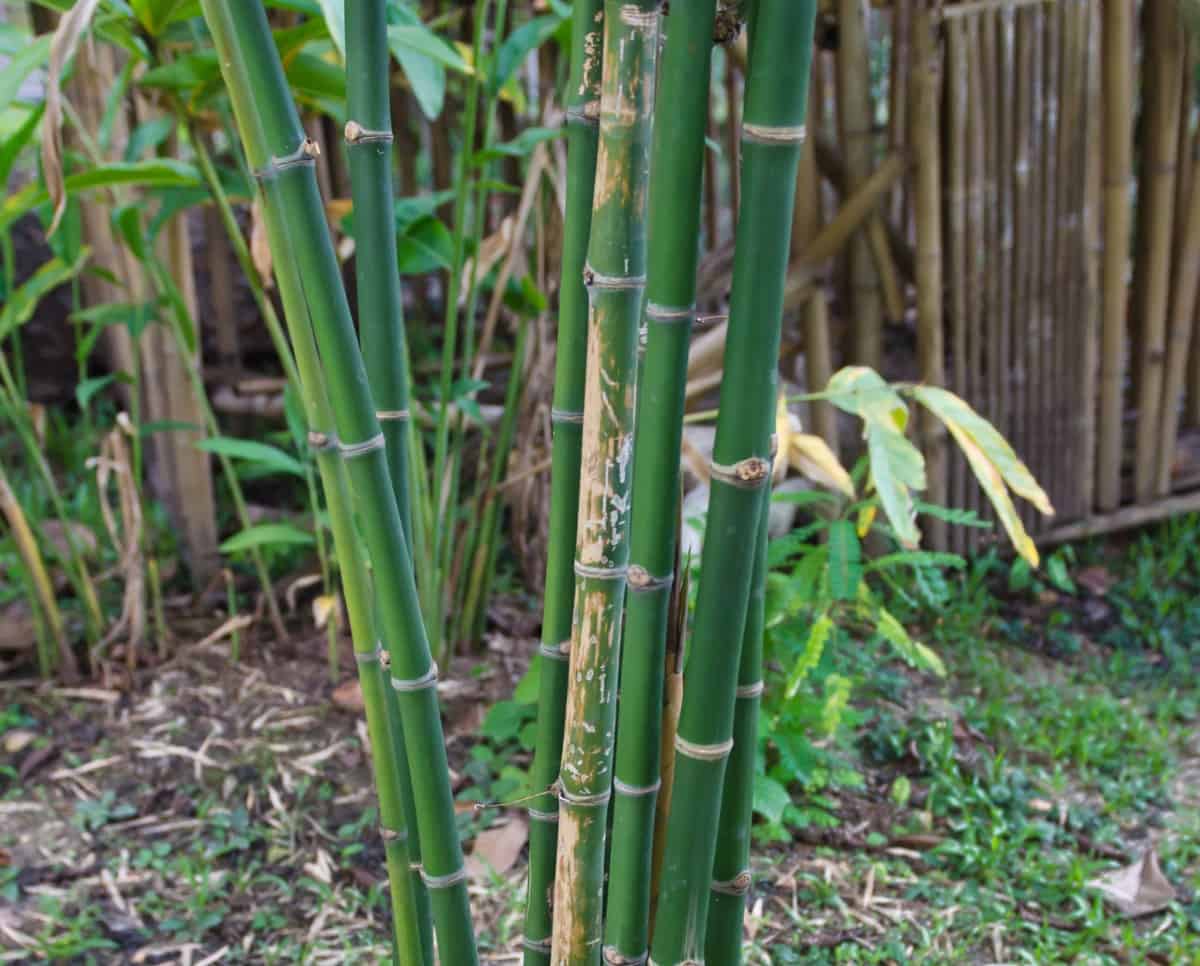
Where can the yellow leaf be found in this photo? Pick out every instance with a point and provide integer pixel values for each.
(324, 607)
(866, 517)
(812, 456)
(784, 432)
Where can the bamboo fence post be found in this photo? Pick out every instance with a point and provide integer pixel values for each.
(1161, 71)
(900, 66)
(615, 276)
(1007, 229)
(927, 203)
(1093, 258)
(856, 132)
(583, 112)
(953, 135)
(979, 319)
(1043, 454)
(1117, 80)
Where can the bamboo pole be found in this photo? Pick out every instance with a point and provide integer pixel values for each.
(1161, 74)
(583, 111)
(1093, 257)
(856, 132)
(1117, 80)
(899, 67)
(954, 137)
(676, 175)
(615, 276)
(1006, 234)
(1025, 217)
(282, 156)
(979, 320)
(1041, 453)
(927, 191)
(776, 101)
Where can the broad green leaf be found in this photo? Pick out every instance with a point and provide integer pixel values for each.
(264, 454)
(862, 392)
(519, 146)
(13, 145)
(426, 247)
(315, 79)
(519, 44)
(198, 69)
(771, 798)
(993, 486)
(334, 12)
(156, 15)
(914, 652)
(845, 560)
(156, 172)
(894, 464)
(421, 40)
(814, 647)
(267, 534)
(20, 306)
(949, 408)
(23, 63)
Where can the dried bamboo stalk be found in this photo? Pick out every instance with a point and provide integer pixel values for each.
(954, 137)
(979, 320)
(1093, 257)
(1161, 74)
(1024, 218)
(1042, 453)
(1117, 80)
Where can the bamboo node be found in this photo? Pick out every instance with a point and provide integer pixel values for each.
(748, 474)
(556, 652)
(702, 752)
(319, 441)
(444, 881)
(583, 801)
(587, 113)
(368, 657)
(636, 791)
(536, 945)
(670, 313)
(392, 834)
(739, 885)
(355, 133)
(541, 816)
(750, 690)
(392, 415)
(641, 579)
(614, 957)
(600, 573)
(772, 134)
(426, 680)
(351, 450)
(638, 19)
(306, 154)
(566, 416)
(594, 279)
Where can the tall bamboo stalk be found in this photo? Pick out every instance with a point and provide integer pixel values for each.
(954, 133)
(979, 318)
(615, 279)
(583, 111)
(1093, 255)
(676, 175)
(1155, 227)
(854, 116)
(772, 135)
(927, 206)
(1117, 80)
(731, 865)
(368, 134)
(282, 157)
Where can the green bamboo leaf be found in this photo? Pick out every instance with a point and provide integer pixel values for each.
(20, 305)
(426, 77)
(771, 798)
(156, 15)
(89, 387)
(153, 173)
(198, 69)
(814, 647)
(845, 560)
(914, 652)
(334, 12)
(420, 39)
(426, 247)
(949, 408)
(315, 79)
(520, 43)
(263, 454)
(15, 143)
(267, 534)
(519, 146)
(24, 61)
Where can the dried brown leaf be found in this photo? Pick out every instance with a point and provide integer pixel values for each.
(497, 849)
(1137, 889)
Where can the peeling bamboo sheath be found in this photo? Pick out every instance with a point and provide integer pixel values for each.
(270, 128)
(615, 278)
(676, 175)
(583, 95)
(776, 98)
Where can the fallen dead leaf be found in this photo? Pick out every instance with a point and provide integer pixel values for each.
(349, 696)
(497, 849)
(17, 740)
(1137, 889)
(1095, 580)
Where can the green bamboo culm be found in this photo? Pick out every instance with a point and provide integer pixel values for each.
(368, 135)
(731, 867)
(615, 279)
(583, 113)
(282, 157)
(676, 178)
(772, 136)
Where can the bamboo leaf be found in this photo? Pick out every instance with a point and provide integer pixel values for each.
(914, 652)
(252, 451)
(267, 534)
(862, 392)
(771, 798)
(20, 305)
(845, 560)
(334, 12)
(426, 247)
(814, 647)
(950, 409)
(13, 145)
(894, 469)
(512, 53)
(20, 66)
(418, 38)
